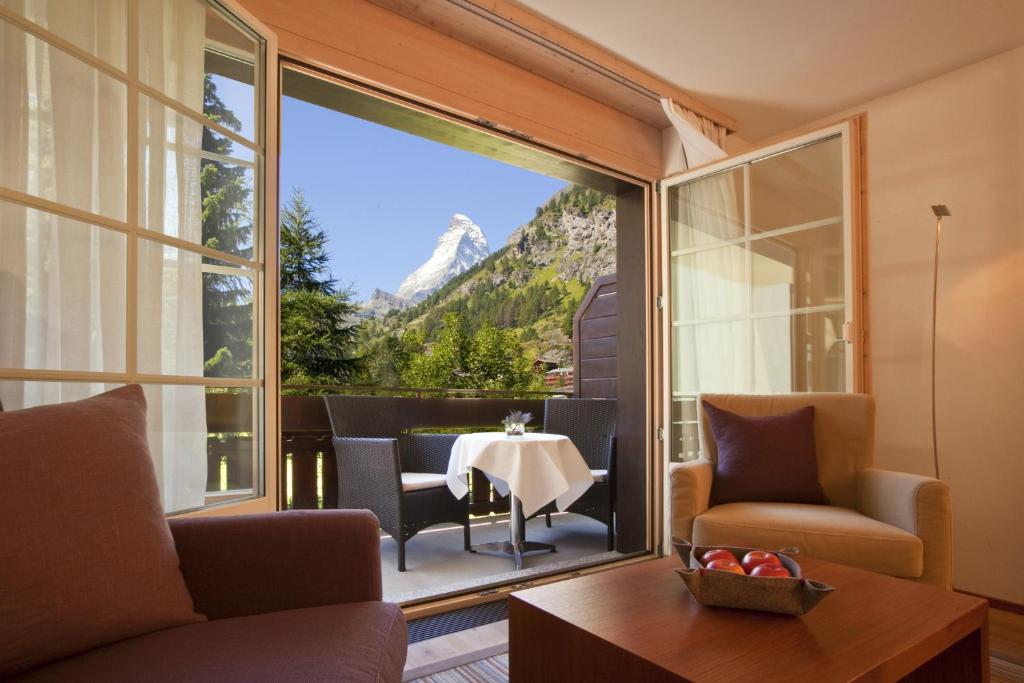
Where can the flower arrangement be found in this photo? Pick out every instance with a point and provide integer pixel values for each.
(515, 422)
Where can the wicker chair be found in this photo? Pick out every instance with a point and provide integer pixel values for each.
(399, 477)
(591, 425)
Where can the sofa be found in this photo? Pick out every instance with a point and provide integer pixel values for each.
(889, 522)
(288, 596)
(97, 585)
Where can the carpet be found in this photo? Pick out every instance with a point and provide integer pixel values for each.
(495, 670)
(491, 670)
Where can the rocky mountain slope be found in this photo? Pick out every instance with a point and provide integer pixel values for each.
(533, 284)
(458, 249)
(381, 303)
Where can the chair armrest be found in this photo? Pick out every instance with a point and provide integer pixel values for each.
(690, 493)
(916, 504)
(252, 564)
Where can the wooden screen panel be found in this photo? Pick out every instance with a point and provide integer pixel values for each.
(595, 340)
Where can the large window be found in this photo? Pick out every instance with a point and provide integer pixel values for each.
(132, 187)
(760, 278)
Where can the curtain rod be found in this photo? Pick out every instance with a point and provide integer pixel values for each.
(549, 44)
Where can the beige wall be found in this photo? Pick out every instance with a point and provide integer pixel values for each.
(959, 140)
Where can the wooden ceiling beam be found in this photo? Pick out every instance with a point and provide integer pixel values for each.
(509, 31)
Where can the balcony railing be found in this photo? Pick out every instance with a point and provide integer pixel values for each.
(309, 479)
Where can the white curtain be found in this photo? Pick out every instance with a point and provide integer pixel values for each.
(172, 44)
(711, 283)
(62, 282)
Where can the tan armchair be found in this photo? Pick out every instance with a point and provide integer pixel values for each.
(889, 522)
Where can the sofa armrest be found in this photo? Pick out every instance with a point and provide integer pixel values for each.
(916, 504)
(252, 564)
(691, 491)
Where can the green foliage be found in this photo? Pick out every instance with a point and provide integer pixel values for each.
(489, 359)
(318, 324)
(304, 255)
(317, 336)
(227, 226)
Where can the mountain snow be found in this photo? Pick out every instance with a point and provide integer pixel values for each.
(458, 249)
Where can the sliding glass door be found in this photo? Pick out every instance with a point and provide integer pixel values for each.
(760, 273)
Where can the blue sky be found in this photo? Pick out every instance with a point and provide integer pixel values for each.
(384, 196)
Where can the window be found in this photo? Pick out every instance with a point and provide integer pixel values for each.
(132, 187)
(760, 278)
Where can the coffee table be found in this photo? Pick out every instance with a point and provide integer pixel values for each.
(638, 623)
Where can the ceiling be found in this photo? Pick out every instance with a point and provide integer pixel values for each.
(774, 65)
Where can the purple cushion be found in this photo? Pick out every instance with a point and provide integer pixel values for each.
(767, 459)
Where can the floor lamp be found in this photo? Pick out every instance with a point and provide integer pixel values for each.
(940, 211)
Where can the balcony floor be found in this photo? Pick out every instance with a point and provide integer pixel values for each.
(437, 565)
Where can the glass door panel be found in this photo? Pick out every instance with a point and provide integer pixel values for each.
(759, 278)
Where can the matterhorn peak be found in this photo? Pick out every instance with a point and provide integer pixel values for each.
(460, 247)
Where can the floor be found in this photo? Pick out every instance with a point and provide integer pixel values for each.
(480, 655)
(436, 563)
(1006, 641)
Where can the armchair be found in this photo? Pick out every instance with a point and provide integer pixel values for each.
(399, 477)
(889, 522)
(591, 425)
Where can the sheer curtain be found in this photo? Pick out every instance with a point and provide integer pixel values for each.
(63, 138)
(63, 282)
(712, 282)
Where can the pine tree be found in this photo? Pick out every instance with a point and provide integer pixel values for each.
(227, 226)
(319, 328)
(304, 255)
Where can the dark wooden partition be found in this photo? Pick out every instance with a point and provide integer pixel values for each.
(595, 341)
(631, 386)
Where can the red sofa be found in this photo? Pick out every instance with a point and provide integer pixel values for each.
(290, 596)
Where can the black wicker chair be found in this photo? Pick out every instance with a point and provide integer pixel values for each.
(591, 425)
(389, 472)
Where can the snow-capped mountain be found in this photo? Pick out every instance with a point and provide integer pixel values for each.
(458, 249)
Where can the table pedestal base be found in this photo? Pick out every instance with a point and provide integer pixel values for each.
(514, 546)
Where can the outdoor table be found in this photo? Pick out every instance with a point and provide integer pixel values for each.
(534, 468)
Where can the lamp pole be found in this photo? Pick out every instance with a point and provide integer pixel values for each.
(940, 211)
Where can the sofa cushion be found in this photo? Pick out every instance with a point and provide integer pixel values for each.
(358, 641)
(844, 433)
(86, 556)
(768, 458)
(828, 533)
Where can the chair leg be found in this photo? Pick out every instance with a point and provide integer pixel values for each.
(547, 519)
(466, 541)
(401, 554)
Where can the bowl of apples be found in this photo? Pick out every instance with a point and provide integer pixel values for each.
(748, 578)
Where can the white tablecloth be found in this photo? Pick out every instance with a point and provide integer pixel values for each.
(537, 468)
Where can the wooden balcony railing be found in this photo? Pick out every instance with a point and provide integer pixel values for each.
(309, 478)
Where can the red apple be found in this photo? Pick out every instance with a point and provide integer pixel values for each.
(773, 571)
(726, 566)
(718, 554)
(759, 557)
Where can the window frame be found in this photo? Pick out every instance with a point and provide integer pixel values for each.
(261, 268)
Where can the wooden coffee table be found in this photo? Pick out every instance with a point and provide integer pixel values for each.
(639, 623)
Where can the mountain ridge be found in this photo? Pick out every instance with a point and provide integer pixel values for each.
(460, 247)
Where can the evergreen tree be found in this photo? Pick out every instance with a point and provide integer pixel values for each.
(227, 226)
(304, 255)
(319, 328)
